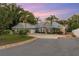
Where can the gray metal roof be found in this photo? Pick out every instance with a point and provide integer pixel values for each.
(24, 25)
(39, 25)
(56, 25)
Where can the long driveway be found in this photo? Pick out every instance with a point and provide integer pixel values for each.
(44, 47)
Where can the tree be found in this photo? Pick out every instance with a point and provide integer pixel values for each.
(31, 19)
(52, 18)
(37, 20)
(63, 22)
(27, 17)
(11, 14)
(73, 22)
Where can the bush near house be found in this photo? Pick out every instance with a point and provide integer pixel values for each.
(7, 32)
(23, 32)
(56, 31)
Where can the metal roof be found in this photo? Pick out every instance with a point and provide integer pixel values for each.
(24, 25)
(56, 25)
(39, 25)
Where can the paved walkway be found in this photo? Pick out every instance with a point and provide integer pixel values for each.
(44, 47)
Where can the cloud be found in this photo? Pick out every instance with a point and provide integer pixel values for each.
(45, 13)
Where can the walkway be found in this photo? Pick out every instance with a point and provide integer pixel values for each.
(44, 47)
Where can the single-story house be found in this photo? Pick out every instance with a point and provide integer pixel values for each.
(22, 26)
(40, 27)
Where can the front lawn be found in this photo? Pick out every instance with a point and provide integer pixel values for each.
(8, 39)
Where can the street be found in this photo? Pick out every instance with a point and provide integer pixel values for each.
(45, 47)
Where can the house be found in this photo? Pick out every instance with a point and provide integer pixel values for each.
(22, 26)
(42, 27)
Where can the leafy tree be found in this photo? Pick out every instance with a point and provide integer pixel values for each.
(73, 22)
(63, 22)
(30, 18)
(11, 14)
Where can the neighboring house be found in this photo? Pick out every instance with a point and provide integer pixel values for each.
(76, 32)
(40, 27)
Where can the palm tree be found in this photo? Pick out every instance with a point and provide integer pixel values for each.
(52, 18)
(11, 14)
(27, 17)
(37, 19)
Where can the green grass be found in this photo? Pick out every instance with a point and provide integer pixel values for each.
(8, 39)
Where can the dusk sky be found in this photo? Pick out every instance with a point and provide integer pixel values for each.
(43, 10)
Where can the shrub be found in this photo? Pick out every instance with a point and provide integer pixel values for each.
(55, 30)
(23, 32)
(6, 32)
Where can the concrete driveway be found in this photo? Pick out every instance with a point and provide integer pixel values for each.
(50, 36)
(45, 47)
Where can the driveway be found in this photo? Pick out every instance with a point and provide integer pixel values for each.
(45, 47)
(50, 36)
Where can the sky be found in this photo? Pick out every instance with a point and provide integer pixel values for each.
(43, 10)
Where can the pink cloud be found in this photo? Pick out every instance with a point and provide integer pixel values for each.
(51, 12)
(42, 11)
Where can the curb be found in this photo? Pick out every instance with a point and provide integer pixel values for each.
(17, 44)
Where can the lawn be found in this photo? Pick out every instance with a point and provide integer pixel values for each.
(8, 39)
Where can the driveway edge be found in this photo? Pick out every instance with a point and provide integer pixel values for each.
(17, 44)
